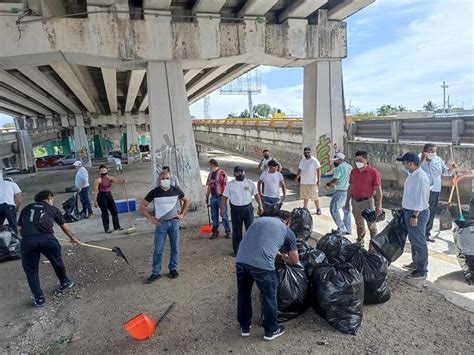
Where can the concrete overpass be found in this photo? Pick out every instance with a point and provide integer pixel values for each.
(81, 65)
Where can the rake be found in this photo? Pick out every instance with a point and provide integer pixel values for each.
(115, 250)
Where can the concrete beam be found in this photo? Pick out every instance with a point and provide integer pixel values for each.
(134, 83)
(235, 73)
(88, 82)
(301, 9)
(9, 112)
(144, 104)
(207, 6)
(110, 82)
(256, 7)
(17, 108)
(69, 77)
(24, 88)
(23, 101)
(210, 75)
(347, 8)
(156, 4)
(191, 74)
(47, 84)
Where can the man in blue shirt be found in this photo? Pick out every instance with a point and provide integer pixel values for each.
(435, 168)
(415, 202)
(255, 262)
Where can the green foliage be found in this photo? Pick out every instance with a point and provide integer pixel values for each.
(39, 152)
(263, 110)
(9, 125)
(430, 107)
(389, 110)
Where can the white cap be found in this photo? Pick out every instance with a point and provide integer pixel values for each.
(339, 156)
(77, 163)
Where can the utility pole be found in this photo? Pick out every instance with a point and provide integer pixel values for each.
(444, 87)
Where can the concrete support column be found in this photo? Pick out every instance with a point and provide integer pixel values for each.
(132, 139)
(323, 111)
(98, 147)
(26, 159)
(171, 132)
(66, 144)
(82, 146)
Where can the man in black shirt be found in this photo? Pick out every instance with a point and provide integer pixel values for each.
(36, 227)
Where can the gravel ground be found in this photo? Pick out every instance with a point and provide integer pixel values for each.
(89, 318)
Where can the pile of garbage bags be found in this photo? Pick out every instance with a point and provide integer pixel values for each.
(464, 247)
(9, 245)
(336, 278)
(301, 223)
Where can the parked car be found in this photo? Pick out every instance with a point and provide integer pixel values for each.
(41, 163)
(68, 159)
(52, 159)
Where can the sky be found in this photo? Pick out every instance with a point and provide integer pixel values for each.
(399, 53)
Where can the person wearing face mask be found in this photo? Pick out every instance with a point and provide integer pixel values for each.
(36, 227)
(104, 200)
(263, 165)
(273, 181)
(415, 202)
(309, 170)
(435, 168)
(340, 181)
(174, 179)
(171, 205)
(364, 182)
(239, 193)
(216, 183)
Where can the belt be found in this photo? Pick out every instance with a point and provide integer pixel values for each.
(216, 195)
(234, 206)
(362, 199)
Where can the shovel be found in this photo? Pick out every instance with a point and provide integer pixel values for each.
(115, 250)
(445, 217)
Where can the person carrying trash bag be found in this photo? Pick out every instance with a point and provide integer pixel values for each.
(266, 238)
(390, 242)
(36, 227)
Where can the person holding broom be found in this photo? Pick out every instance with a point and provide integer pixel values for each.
(458, 179)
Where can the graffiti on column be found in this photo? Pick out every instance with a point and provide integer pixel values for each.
(323, 153)
(84, 154)
(336, 148)
(257, 150)
(133, 153)
(173, 156)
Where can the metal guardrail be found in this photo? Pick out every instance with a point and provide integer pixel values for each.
(252, 122)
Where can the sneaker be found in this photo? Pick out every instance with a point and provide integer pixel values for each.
(118, 229)
(153, 278)
(227, 235)
(108, 231)
(245, 332)
(66, 285)
(174, 274)
(410, 266)
(318, 212)
(214, 236)
(416, 275)
(278, 332)
(429, 239)
(39, 302)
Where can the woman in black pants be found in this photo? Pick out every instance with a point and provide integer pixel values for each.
(103, 198)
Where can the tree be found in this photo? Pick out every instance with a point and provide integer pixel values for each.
(244, 114)
(9, 125)
(430, 107)
(388, 110)
(263, 110)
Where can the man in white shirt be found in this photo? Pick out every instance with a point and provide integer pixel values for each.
(10, 201)
(273, 180)
(82, 184)
(239, 193)
(310, 173)
(263, 165)
(415, 202)
(118, 165)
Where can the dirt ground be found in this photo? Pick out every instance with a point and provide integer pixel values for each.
(89, 318)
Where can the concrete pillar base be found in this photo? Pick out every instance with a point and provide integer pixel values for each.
(82, 145)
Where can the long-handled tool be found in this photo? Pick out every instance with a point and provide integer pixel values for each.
(131, 229)
(207, 228)
(115, 250)
(445, 218)
(461, 216)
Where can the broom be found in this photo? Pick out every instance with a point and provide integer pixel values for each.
(461, 216)
(445, 218)
(131, 229)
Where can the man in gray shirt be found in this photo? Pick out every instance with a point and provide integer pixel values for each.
(255, 262)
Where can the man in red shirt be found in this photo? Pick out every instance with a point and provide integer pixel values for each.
(365, 181)
(216, 182)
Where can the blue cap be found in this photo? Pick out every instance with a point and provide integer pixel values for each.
(239, 169)
(411, 157)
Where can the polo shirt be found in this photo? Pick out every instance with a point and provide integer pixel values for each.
(38, 218)
(166, 202)
(341, 173)
(363, 183)
(8, 190)
(240, 193)
(272, 183)
(416, 191)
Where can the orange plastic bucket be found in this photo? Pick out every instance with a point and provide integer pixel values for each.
(140, 327)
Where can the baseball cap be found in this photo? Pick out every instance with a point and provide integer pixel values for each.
(339, 156)
(410, 157)
(77, 163)
(238, 169)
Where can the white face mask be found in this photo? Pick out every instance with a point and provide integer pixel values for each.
(166, 183)
(360, 165)
(431, 155)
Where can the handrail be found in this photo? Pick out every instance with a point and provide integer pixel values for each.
(254, 122)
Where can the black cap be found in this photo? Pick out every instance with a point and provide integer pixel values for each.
(272, 163)
(239, 169)
(410, 157)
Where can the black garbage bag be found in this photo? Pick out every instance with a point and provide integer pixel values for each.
(301, 223)
(311, 260)
(331, 245)
(390, 242)
(9, 245)
(338, 296)
(292, 291)
(373, 268)
(464, 247)
(71, 209)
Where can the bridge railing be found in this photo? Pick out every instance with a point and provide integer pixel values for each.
(255, 122)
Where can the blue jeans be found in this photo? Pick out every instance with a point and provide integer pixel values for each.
(170, 228)
(417, 237)
(340, 215)
(86, 202)
(215, 204)
(434, 197)
(270, 200)
(267, 283)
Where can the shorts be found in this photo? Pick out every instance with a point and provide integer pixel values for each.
(309, 192)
